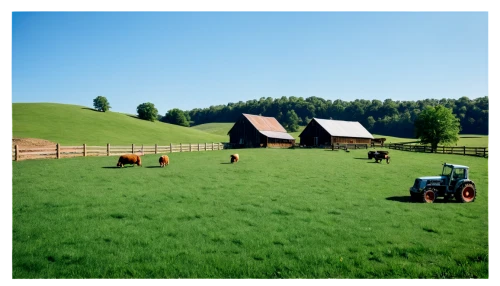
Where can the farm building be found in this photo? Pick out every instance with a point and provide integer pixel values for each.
(259, 131)
(324, 132)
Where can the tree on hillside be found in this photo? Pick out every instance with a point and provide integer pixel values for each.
(291, 121)
(436, 125)
(147, 111)
(101, 103)
(177, 117)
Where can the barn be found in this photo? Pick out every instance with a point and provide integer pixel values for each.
(327, 132)
(259, 131)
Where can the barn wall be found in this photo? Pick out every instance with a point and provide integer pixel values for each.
(313, 129)
(245, 131)
(281, 143)
(350, 140)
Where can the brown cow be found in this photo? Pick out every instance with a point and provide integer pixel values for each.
(129, 159)
(164, 161)
(235, 158)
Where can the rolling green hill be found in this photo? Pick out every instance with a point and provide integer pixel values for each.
(221, 128)
(74, 125)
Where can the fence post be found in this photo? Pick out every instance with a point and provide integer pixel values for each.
(142, 149)
(180, 147)
(189, 147)
(212, 146)
(484, 152)
(17, 152)
(132, 149)
(107, 149)
(58, 150)
(198, 146)
(464, 150)
(170, 147)
(156, 148)
(205, 146)
(84, 150)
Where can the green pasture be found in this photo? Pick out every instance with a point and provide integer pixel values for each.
(278, 213)
(75, 125)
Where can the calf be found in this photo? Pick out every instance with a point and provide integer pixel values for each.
(235, 158)
(164, 161)
(129, 159)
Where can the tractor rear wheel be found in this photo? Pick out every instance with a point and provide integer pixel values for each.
(466, 193)
(429, 195)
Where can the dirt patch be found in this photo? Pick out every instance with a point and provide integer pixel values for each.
(32, 142)
(27, 144)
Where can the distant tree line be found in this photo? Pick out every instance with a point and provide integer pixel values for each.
(391, 118)
(388, 117)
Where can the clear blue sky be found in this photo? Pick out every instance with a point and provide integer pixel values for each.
(192, 60)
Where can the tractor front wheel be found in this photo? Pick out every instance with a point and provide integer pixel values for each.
(429, 196)
(466, 193)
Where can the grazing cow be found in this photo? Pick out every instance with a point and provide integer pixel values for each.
(235, 158)
(129, 159)
(164, 161)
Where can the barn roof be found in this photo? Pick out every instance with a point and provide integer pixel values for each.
(267, 126)
(278, 135)
(263, 123)
(344, 128)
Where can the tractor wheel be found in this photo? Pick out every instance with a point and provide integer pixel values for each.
(466, 193)
(429, 196)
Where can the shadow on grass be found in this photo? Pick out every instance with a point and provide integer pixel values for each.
(362, 159)
(86, 108)
(227, 163)
(407, 199)
(149, 167)
(115, 167)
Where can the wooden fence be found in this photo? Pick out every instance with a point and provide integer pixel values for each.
(59, 151)
(459, 150)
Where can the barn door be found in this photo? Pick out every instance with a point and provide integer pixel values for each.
(315, 141)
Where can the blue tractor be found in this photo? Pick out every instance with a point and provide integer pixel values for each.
(453, 182)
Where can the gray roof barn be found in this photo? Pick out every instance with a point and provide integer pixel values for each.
(344, 128)
(324, 132)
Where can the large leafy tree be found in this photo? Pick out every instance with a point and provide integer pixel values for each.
(101, 103)
(147, 111)
(436, 125)
(176, 116)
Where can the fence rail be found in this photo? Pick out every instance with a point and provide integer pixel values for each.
(59, 151)
(458, 150)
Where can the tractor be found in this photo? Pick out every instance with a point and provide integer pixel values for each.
(453, 182)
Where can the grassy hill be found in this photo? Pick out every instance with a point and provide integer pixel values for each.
(219, 128)
(74, 125)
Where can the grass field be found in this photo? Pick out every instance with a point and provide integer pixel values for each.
(219, 128)
(469, 140)
(278, 213)
(75, 125)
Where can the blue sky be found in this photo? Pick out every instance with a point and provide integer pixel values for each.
(192, 60)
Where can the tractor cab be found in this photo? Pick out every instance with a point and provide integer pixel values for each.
(454, 174)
